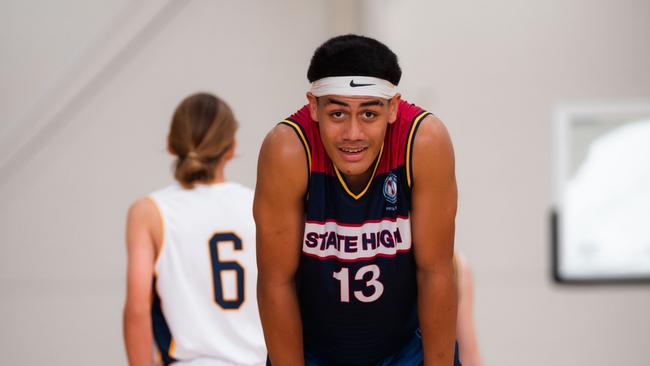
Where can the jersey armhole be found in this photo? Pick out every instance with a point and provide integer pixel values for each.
(303, 140)
(415, 124)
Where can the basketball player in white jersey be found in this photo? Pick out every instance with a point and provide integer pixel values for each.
(191, 253)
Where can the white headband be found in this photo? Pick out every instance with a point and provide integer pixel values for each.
(353, 85)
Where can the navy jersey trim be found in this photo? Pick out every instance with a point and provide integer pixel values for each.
(409, 147)
(161, 333)
(339, 206)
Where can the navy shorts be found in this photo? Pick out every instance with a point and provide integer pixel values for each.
(410, 355)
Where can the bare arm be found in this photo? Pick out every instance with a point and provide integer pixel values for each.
(279, 217)
(143, 224)
(433, 225)
(465, 329)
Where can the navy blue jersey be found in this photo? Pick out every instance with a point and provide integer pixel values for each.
(356, 281)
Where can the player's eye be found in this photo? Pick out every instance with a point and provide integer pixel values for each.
(369, 115)
(336, 115)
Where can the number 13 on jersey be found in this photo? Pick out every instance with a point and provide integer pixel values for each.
(343, 276)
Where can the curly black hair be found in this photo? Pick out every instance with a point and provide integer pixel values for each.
(354, 55)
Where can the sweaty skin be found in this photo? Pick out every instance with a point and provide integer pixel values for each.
(352, 130)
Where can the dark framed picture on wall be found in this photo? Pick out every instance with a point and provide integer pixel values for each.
(600, 222)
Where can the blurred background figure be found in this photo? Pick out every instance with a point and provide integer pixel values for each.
(465, 325)
(192, 245)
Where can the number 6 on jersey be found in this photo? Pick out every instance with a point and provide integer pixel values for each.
(219, 267)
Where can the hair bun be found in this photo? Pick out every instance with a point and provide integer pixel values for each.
(201, 126)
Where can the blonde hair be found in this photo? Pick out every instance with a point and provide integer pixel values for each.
(202, 131)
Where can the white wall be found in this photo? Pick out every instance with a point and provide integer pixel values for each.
(64, 200)
(493, 71)
(42, 40)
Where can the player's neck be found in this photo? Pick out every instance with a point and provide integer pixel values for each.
(218, 180)
(219, 176)
(357, 183)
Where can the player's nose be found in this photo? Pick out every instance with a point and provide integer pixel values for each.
(353, 130)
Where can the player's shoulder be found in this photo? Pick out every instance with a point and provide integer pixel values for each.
(283, 142)
(284, 162)
(143, 210)
(174, 192)
(432, 131)
(433, 155)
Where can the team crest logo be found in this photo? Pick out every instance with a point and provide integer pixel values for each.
(390, 188)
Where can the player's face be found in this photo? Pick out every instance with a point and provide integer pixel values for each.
(352, 129)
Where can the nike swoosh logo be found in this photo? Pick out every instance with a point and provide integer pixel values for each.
(354, 85)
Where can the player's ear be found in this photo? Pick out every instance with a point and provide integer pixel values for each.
(313, 106)
(170, 149)
(230, 153)
(393, 104)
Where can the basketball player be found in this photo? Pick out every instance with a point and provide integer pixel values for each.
(191, 253)
(355, 207)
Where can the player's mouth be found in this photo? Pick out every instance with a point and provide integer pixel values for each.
(352, 153)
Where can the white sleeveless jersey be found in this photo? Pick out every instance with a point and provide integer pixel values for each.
(205, 306)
